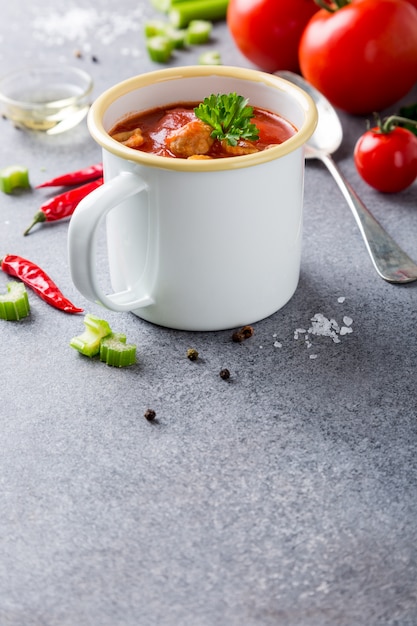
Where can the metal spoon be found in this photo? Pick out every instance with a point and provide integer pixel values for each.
(390, 261)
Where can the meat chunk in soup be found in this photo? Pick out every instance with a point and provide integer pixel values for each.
(130, 138)
(191, 139)
(242, 147)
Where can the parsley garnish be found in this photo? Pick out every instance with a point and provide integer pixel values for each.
(230, 117)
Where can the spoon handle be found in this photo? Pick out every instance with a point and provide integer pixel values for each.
(390, 261)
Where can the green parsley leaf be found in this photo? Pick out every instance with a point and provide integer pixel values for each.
(230, 117)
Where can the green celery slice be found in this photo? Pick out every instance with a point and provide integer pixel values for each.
(88, 343)
(159, 48)
(116, 352)
(164, 29)
(155, 27)
(14, 305)
(177, 36)
(198, 32)
(14, 176)
(211, 57)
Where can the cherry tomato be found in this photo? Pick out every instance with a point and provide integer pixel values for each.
(362, 57)
(267, 32)
(387, 161)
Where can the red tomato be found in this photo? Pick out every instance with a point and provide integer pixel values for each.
(267, 32)
(363, 57)
(387, 160)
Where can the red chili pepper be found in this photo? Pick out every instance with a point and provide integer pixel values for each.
(74, 178)
(35, 278)
(63, 205)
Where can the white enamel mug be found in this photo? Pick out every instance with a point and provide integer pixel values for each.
(194, 244)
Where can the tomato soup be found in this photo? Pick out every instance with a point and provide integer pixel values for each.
(176, 132)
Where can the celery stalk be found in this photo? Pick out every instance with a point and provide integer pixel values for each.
(88, 343)
(182, 13)
(14, 305)
(116, 352)
(163, 6)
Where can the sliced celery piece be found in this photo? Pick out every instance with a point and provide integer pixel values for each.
(88, 342)
(160, 28)
(198, 32)
(161, 5)
(159, 48)
(116, 352)
(155, 27)
(177, 36)
(14, 176)
(14, 305)
(212, 57)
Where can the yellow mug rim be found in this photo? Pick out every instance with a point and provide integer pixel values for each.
(101, 104)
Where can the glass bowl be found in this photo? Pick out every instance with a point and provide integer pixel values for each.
(52, 98)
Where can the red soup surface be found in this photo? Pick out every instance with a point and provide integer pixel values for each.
(176, 132)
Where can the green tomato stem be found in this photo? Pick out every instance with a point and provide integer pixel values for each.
(391, 122)
(332, 5)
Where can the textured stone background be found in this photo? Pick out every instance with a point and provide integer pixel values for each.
(284, 496)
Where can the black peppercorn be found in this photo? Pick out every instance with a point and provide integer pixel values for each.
(192, 354)
(225, 374)
(150, 415)
(244, 333)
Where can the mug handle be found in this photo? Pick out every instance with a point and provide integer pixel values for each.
(82, 241)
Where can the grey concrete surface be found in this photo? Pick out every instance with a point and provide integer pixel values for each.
(284, 496)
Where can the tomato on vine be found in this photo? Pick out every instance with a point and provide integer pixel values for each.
(361, 54)
(268, 32)
(386, 156)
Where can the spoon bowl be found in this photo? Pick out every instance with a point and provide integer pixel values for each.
(389, 260)
(328, 136)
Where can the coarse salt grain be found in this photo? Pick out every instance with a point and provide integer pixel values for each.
(324, 327)
(78, 24)
(345, 330)
(341, 299)
(298, 332)
(277, 344)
